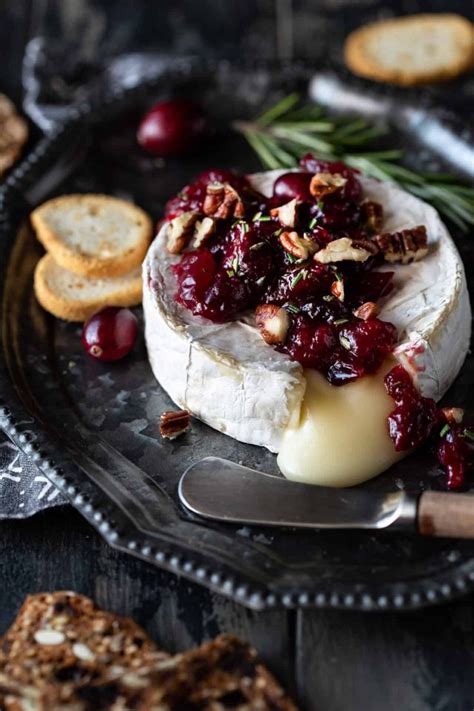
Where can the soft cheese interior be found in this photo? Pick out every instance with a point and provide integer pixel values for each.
(228, 377)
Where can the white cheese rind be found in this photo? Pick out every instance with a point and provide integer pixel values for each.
(228, 377)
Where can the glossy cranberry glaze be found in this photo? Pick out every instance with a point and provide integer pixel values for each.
(243, 265)
(110, 334)
(417, 419)
(171, 127)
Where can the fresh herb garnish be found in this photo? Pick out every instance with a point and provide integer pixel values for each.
(468, 434)
(345, 342)
(301, 275)
(313, 223)
(256, 217)
(257, 245)
(283, 133)
(444, 431)
(291, 258)
(292, 308)
(320, 205)
(235, 265)
(260, 280)
(328, 297)
(278, 232)
(230, 273)
(340, 321)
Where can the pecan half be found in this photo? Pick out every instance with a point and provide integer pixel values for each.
(273, 323)
(179, 231)
(326, 183)
(286, 214)
(345, 249)
(203, 230)
(223, 201)
(371, 216)
(405, 246)
(174, 423)
(297, 246)
(367, 311)
(453, 414)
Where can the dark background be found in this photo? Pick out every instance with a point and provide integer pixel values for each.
(334, 661)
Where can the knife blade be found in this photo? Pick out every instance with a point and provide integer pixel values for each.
(221, 490)
(224, 491)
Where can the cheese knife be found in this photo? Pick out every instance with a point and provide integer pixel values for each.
(221, 490)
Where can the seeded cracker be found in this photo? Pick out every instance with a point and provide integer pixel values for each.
(64, 654)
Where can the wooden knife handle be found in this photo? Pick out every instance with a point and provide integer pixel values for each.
(446, 515)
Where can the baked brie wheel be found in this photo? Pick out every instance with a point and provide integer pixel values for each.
(229, 377)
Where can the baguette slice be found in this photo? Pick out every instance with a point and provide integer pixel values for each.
(93, 235)
(75, 298)
(411, 50)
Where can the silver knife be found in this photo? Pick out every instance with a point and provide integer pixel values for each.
(221, 490)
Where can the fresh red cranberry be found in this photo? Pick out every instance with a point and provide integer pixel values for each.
(292, 185)
(110, 334)
(455, 452)
(172, 127)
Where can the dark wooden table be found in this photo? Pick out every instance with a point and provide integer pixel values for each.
(332, 661)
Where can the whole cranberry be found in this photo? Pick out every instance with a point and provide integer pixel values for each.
(292, 185)
(172, 127)
(110, 334)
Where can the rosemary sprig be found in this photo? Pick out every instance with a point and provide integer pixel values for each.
(287, 130)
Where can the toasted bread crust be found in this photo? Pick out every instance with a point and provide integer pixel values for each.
(79, 309)
(364, 63)
(13, 134)
(85, 264)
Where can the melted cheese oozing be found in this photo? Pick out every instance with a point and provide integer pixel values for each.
(340, 437)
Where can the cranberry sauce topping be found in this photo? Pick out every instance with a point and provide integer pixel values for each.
(241, 250)
(416, 419)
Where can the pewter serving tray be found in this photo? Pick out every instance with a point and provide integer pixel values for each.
(92, 427)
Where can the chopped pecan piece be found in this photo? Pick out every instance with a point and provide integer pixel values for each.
(337, 289)
(203, 230)
(367, 311)
(273, 323)
(223, 201)
(286, 214)
(345, 249)
(405, 246)
(453, 414)
(297, 246)
(371, 215)
(174, 423)
(179, 232)
(326, 183)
